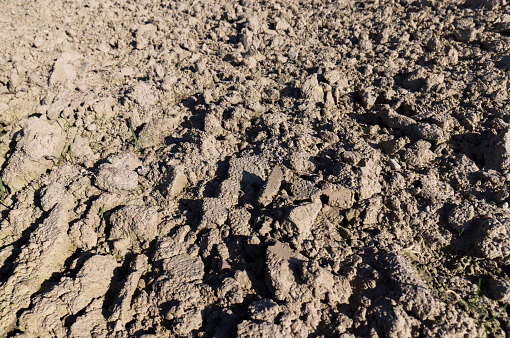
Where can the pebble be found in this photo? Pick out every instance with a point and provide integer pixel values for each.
(504, 205)
(394, 164)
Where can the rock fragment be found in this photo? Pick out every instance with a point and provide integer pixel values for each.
(394, 164)
(271, 187)
(339, 196)
(303, 217)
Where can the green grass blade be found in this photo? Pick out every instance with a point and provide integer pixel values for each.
(143, 135)
(134, 135)
(497, 315)
(478, 291)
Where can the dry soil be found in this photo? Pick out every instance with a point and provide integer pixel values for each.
(273, 168)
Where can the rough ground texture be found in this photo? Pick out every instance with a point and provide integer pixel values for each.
(254, 168)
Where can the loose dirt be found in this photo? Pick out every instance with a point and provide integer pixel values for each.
(254, 168)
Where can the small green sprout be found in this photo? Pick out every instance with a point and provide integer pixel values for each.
(67, 125)
(461, 232)
(138, 141)
(101, 212)
(497, 315)
(492, 319)
(477, 292)
(472, 305)
(101, 120)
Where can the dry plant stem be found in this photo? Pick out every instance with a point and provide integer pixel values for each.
(457, 297)
(2, 195)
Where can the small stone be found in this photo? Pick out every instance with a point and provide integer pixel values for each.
(223, 265)
(504, 205)
(394, 164)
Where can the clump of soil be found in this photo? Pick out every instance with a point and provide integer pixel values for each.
(254, 168)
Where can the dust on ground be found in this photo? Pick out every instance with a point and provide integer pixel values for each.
(254, 168)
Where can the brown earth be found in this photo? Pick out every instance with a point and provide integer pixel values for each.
(332, 168)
